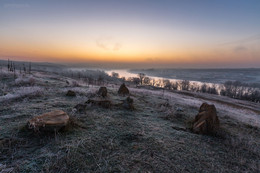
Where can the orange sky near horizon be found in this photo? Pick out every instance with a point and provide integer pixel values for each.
(126, 54)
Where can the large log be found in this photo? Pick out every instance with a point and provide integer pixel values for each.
(102, 91)
(206, 121)
(123, 90)
(51, 121)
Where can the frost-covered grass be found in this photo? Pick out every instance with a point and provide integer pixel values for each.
(22, 92)
(25, 81)
(240, 114)
(4, 73)
(120, 140)
(82, 91)
(168, 95)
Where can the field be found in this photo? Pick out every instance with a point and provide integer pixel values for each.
(154, 137)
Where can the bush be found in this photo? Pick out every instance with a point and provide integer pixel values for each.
(23, 92)
(24, 81)
(74, 84)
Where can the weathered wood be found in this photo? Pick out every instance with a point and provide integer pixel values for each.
(206, 121)
(123, 90)
(51, 121)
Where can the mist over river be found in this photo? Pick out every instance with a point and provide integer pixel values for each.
(195, 76)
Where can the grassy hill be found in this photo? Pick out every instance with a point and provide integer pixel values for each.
(154, 137)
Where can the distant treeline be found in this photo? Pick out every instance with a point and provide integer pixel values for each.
(243, 91)
(233, 89)
(90, 77)
(15, 68)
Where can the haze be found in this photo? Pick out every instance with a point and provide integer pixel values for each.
(207, 34)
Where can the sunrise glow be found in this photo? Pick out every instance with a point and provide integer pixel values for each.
(203, 33)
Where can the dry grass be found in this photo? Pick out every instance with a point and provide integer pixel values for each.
(118, 140)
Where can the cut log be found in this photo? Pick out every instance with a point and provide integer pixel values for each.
(51, 121)
(128, 103)
(71, 93)
(101, 103)
(123, 90)
(102, 91)
(206, 121)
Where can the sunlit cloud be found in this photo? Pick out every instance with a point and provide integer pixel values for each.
(101, 44)
(240, 49)
(108, 43)
(243, 40)
(117, 46)
(152, 59)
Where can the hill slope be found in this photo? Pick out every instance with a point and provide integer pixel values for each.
(150, 138)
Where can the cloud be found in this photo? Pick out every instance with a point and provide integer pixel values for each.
(244, 40)
(117, 46)
(101, 44)
(149, 59)
(240, 49)
(16, 6)
(108, 43)
(152, 59)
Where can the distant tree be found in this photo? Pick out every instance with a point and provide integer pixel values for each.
(90, 80)
(114, 74)
(30, 68)
(71, 74)
(14, 71)
(100, 79)
(159, 83)
(130, 79)
(254, 85)
(147, 80)
(185, 85)
(223, 92)
(228, 88)
(167, 84)
(255, 96)
(136, 80)
(11, 66)
(240, 91)
(8, 66)
(141, 77)
(175, 85)
(235, 88)
(203, 88)
(194, 88)
(86, 80)
(24, 68)
(212, 90)
(123, 79)
(153, 82)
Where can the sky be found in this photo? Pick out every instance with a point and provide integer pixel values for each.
(143, 33)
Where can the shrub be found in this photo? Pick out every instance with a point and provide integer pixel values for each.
(74, 84)
(23, 92)
(24, 81)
